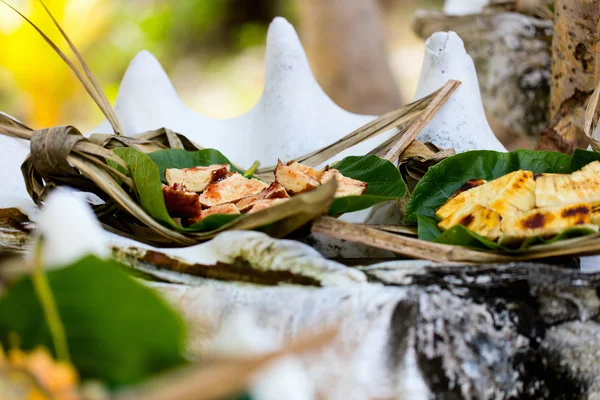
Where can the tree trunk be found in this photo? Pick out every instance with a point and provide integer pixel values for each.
(572, 74)
(345, 43)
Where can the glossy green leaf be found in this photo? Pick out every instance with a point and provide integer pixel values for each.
(384, 183)
(427, 228)
(118, 330)
(461, 236)
(146, 178)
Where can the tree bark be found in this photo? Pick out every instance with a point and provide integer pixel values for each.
(572, 74)
(345, 43)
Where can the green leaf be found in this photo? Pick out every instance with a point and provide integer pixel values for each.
(427, 228)
(581, 158)
(118, 330)
(445, 178)
(177, 158)
(460, 236)
(148, 185)
(384, 183)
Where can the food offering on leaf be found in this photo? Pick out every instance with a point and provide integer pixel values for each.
(522, 205)
(193, 194)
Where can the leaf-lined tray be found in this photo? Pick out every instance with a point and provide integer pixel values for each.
(147, 173)
(443, 179)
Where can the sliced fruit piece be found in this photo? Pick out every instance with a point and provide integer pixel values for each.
(262, 204)
(563, 190)
(479, 219)
(480, 195)
(293, 180)
(181, 202)
(313, 173)
(517, 196)
(230, 190)
(345, 186)
(274, 191)
(545, 222)
(196, 179)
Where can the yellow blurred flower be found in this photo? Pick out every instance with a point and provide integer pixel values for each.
(39, 75)
(36, 376)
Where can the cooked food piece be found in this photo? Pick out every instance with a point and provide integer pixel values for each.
(479, 219)
(294, 180)
(517, 196)
(345, 186)
(545, 222)
(595, 216)
(230, 190)
(561, 190)
(196, 179)
(313, 173)
(181, 202)
(470, 184)
(220, 209)
(262, 204)
(274, 191)
(479, 195)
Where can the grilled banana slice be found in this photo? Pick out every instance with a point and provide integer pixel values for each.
(561, 190)
(517, 196)
(479, 219)
(544, 222)
(482, 194)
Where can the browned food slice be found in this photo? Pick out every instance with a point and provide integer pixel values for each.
(313, 173)
(228, 208)
(482, 194)
(561, 190)
(479, 219)
(470, 184)
(181, 202)
(294, 180)
(274, 191)
(263, 204)
(196, 179)
(545, 222)
(230, 190)
(595, 219)
(345, 186)
(517, 196)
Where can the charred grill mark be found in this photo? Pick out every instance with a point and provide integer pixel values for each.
(573, 211)
(467, 220)
(537, 220)
(470, 184)
(535, 176)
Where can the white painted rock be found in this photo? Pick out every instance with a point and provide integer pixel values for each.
(464, 7)
(461, 122)
(293, 117)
